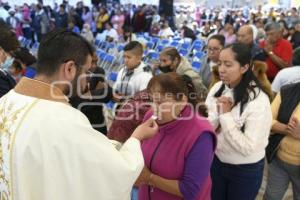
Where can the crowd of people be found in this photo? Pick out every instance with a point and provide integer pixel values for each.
(177, 133)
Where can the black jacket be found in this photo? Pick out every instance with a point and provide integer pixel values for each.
(6, 83)
(93, 108)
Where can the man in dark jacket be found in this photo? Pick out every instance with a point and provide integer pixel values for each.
(91, 103)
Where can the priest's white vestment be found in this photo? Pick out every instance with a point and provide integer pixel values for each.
(49, 150)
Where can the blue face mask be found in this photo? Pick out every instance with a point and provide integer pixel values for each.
(8, 62)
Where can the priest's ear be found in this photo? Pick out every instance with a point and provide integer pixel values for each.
(69, 70)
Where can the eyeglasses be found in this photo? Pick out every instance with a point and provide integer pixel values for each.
(213, 49)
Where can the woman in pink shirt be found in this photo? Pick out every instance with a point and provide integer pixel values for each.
(178, 157)
(118, 21)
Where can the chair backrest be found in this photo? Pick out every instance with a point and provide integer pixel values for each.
(153, 55)
(196, 66)
(97, 42)
(120, 48)
(150, 45)
(183, 52)
(112, 76)
(110, 59)
(160, 47)
(197, 47)
(174, 44)
(110, 46)
(199, 55)
(155, 40)
(101, 54)
(164, 42)
(185, 46)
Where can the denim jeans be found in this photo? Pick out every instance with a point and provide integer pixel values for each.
(236, 182)
(134, 193)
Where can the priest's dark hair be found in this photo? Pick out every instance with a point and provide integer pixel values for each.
(60, 46)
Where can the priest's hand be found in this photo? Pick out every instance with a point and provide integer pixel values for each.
(144, 177)
(146, 130)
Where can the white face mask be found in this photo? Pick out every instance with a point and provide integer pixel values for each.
(7, 63)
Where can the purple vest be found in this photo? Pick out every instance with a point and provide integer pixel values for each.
(165, 153)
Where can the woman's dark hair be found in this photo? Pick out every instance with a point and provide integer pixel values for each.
(172, 83)
(25, 56)
(241, 93)
(17, 65)
(172, 53)
(110, 24)
(8, 39)
(127, 29)
(87, 9)
(104, 9)
(218, 37)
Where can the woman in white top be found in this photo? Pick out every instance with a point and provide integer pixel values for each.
(241, 114)
(87, 33)
(166, 32)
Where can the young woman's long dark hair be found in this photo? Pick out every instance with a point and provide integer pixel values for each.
(248, 84)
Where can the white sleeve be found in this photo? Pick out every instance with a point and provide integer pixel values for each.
(276, 84)
(78, 163)
(211, 103)
(257, 127)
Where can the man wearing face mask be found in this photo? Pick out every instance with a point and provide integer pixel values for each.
(8, 44)
(171, 61)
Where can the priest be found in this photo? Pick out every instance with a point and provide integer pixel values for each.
(49, 150)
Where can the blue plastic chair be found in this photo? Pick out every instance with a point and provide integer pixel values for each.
(153, 55)
(196, 66)
(110, 105)
(110, 59)
(164, 42)
(112, 76)
(183, 52)
(186, 46)
(150, 45)
(110, 46)
(174, 44)
(120, 48)
(155, 40)
(198, 47)
(160, 47)
(97, 42)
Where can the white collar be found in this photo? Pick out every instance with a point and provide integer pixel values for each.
(138, 69)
